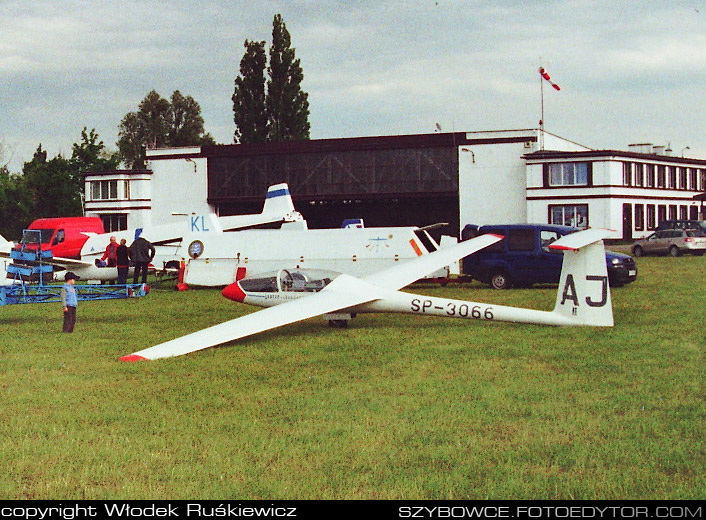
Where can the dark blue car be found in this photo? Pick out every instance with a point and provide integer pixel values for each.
(523, 258)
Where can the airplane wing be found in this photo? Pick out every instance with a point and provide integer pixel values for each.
(345, 291)
(67, 263)
(410, 271)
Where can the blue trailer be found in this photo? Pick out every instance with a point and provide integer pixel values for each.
(31, 265)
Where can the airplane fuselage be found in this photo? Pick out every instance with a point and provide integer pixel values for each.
(408, 303)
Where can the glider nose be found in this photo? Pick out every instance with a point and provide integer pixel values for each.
(234, 292)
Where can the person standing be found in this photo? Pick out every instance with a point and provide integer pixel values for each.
(111, 253)
(69, 301)
(123, 261)
(141, 252)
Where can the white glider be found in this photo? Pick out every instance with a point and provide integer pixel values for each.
(293, 295)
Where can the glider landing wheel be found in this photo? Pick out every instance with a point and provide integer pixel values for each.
(338, 324)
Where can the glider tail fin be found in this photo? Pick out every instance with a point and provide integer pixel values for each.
(583, 297)
(278, 201)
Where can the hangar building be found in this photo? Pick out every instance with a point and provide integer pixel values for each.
(459, 178)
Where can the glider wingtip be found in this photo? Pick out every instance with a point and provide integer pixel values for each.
(132, 358)
(562, 248)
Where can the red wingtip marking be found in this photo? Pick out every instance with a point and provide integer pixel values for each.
(234, 292)
(499, 236)
(562, 248)
(132, 358)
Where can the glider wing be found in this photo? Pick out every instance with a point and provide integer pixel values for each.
(345, 291)
(410, 271)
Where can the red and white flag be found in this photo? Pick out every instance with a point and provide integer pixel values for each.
(546, 76)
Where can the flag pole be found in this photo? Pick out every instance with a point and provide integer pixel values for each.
(541, 120)
(544, 75)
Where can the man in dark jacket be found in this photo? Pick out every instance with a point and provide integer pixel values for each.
(141, 252)
(123, 261)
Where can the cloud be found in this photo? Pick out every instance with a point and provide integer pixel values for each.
(370, 67)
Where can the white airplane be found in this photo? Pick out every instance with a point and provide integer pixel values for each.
(583, 297)
(167, 238)
(221, 260)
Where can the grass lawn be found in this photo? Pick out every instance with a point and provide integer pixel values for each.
(395, 407)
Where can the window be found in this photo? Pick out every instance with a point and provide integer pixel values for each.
(660, 176)
(575, 215)
(639, 217)
(661, 213)
(682, 178)
(520, 240)
(114, 222)
(702, 176)
(104, 190)
(693, 179)
(671, 177)
(638, 174)
(672, 212)
(694, 212)
(627, 174)
(569, 174)
(546, 238)
(651, 220)
(650, 175)
(126, 190)
(59, 238)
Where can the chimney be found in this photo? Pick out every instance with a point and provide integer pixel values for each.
(640, 147)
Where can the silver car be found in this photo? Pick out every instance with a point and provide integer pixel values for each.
(672, 242)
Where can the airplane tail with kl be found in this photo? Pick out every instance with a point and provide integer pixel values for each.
(583, 297)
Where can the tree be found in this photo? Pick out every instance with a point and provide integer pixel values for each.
(55, 187)
(160, 123)
(185, 122)
(249, 109)
(91, 155)
(14, 204)
(281, 112)
(51, 184)
(287, 104)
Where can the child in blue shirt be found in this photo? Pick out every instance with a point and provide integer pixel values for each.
(69, 301)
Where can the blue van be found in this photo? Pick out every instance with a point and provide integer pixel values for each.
(523, 257)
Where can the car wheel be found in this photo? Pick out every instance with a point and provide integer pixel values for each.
(637, 251)
(674, 251)
(500, 280)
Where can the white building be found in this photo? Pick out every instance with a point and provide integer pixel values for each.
(508, 176)
(173, 184)
(630, 192)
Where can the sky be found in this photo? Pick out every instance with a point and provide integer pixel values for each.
(629, 71)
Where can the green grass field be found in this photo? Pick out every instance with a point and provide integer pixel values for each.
(395, 407)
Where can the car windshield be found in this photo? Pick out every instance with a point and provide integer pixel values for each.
(30, 236)
(695, 233)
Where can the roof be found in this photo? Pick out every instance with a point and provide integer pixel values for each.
(544, 155)
(104, 173)
(393, 142)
